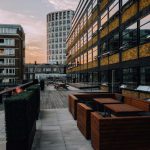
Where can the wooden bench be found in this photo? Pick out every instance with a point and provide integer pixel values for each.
(120, 133)
(73, 99)
(144, 105)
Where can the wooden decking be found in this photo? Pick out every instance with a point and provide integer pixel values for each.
(54, 99)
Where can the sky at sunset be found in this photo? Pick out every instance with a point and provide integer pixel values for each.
(31, 15)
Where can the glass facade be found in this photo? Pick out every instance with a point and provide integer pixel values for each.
(114, 41)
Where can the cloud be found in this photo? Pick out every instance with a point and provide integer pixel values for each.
(35, 33)
(64, 4)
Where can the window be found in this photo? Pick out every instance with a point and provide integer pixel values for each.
(104, 17)
(6, 30)
(89, 34)
(81, 42)
(64, 15)
(85, 38)
(114, 42)
(68, 14)
(104, 77)
(130, 77)
(113, 8)
(124, 2)
(82, 60)
(129, 36)
(1, 40)
(95, 27)
(90, 55)
(85, 58)
(89, 11)
(7, 42)
(145, 29)
(68, 21)
(95, 53)
(94, 3)
(145, 75)
(103, 47)
(84, 19)
(81, 24)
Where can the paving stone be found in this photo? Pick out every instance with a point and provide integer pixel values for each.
(56, 128)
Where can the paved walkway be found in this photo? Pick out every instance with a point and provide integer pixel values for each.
(58, 131)
(56, 128)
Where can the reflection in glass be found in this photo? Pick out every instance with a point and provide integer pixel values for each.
(129, 37)
(104, 77)
(90, 55)
(130, 77)
(104, 17)
(124, 2)
(145, 29)
(85, 58)
(103, 47)
(114, 43)
(145, 76)
(95, 53)
(114, 7)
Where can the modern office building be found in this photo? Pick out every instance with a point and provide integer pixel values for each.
(58, 27)
(12, 54)
(109, 43)
(44, 71)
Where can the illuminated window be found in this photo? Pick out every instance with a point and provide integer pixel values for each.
(104, 17)
(145, 29)
(90, 55)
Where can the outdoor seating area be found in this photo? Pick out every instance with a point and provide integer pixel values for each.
(112, 120)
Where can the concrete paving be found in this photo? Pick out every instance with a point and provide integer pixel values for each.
(56, 130)
(2, 131)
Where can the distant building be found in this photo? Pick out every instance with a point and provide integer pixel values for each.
(109, 43)
(58, 27)
(12, 54)
(44, 71)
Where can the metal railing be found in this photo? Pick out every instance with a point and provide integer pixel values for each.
(8, 92)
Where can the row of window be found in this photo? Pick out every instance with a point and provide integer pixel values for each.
(129, 37)
(83, 21)
(7, 42)
(58, 34)
(105, 16)
(7, 61)
(57, 51)
(5, 30)
(7, 52)
(130, 76)
(85, 58)
(60, 28)
(57, 57)
(59, 23)
(7, 71)
(59, 15)
(85, 38)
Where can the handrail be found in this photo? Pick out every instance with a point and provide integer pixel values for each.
(10, 90)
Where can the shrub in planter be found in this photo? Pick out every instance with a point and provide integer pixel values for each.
(42, 85)
(36, 89)
(20, 121)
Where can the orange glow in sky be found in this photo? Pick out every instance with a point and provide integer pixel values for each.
(31, 15)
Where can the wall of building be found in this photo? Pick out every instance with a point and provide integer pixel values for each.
(109, 43)
(58, 27)
(12, 54)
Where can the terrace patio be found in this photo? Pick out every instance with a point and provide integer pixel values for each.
(56, 129)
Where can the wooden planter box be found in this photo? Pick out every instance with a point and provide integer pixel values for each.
(120, 133)
(84, 119)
